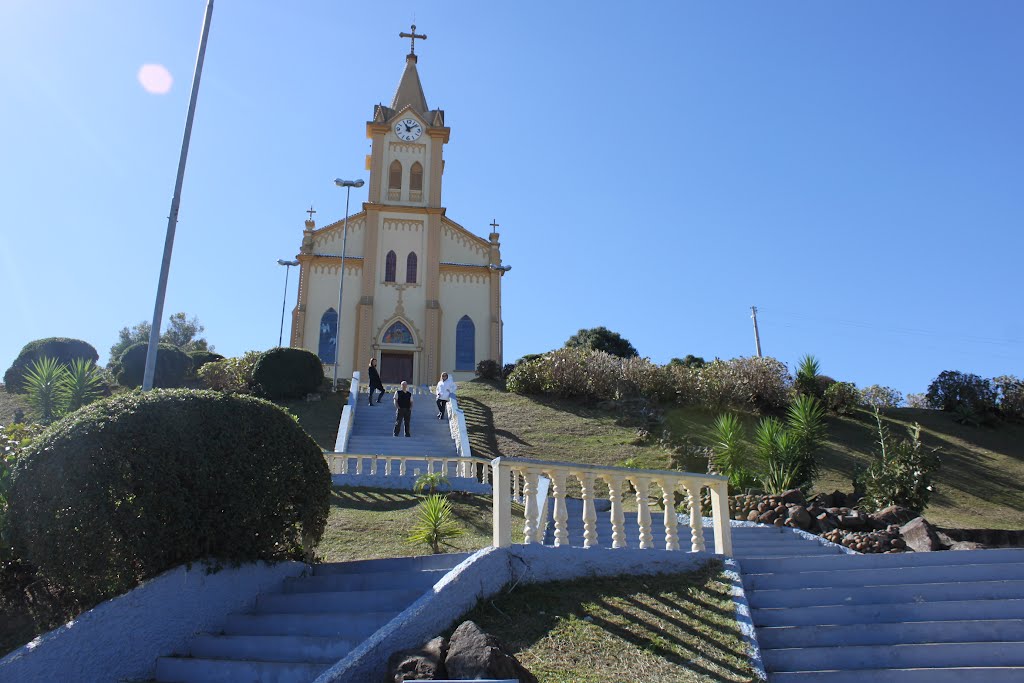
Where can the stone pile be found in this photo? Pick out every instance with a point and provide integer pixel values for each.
(470, 654)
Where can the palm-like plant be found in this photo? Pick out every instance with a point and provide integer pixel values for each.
(435, 523)
(731, 451)
(805, 421)
(807, 371)
(431, 482)
(82, 384)
(43, 381)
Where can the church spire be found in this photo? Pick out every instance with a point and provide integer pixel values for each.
(410, 91)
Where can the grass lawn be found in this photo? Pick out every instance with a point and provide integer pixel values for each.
(655, 629)
(980, 484)
(319, 418)
(367, 523)
(9, 404)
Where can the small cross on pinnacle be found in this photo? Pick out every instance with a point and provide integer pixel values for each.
(413, 36)
(494, 224)
(311, 211)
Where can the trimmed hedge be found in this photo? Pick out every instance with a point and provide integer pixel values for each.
(287, 373)
(172, 366)
(201, 358)
(61, 349)
(131, 486)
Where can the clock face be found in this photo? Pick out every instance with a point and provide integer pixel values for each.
(408, 129)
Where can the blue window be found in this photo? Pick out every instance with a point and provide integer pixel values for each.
(328, 336)
(465, 344)
(390, 266)
(410, 267)
(398, 333)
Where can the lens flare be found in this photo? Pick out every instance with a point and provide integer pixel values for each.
(155, 79)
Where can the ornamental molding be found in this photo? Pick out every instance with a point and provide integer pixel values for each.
(458, 234)
(402, 225)
(413, 148)
(464, 276)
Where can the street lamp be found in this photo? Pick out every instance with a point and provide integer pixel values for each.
(348, 185)
(288, 266)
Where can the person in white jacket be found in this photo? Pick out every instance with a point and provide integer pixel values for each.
(445, 390)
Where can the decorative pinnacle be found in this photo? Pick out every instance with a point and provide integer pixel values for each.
(311, 211)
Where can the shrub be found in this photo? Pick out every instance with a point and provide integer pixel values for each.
(172, 366)
(287, 373)
(435, 523)
(1011, 396)
(507, 369)
(602, 339)
(233, 375)
(488, 369)
(686, 383)
(13, 440)
(752, 383)
(641, 377)
(919, 401)
(201, 358)
(952, 390)
(689, 361)
(901, 474)
(61, 349)
(842, 398)
(529, 377)
(877, 396)
(132, 486)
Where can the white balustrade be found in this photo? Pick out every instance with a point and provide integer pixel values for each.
(348, 415)
(517, 479)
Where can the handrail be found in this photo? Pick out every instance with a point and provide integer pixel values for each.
(457, 427)
(508, 471)
(348, 415)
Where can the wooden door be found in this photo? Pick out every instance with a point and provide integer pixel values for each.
(396, 367)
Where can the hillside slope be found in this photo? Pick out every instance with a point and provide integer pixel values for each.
(980, 485)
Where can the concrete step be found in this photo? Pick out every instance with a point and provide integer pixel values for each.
(914, 656)
(885, 576)
(393, 564)
(949, 610)
(271, 648)
(340, 602)
(197, 670)
(333, 583)
(979, 674)
(347, 626)
(975, 631)
(847, 596)
(893, 561)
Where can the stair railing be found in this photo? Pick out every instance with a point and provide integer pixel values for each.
(348, 415)
(509, 472)
(400, 465)
(457, 427)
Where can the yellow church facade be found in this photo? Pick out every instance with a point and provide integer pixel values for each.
(421, 293)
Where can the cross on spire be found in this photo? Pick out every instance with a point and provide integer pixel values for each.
(310, 211)
(413, 36)
(494, 224)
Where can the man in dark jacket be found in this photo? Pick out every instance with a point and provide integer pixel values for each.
(374, 379)
(403, 408)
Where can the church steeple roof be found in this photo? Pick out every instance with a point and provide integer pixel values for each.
(410, 91)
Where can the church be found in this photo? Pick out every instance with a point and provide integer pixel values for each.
(421, 293)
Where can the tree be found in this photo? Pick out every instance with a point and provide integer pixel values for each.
(689, 361)
(180, 331)
(602, 339)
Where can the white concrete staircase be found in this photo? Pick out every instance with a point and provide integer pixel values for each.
(373, 429)
(937, 617)
(293, 635)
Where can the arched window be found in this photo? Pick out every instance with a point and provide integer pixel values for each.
(410, 267)
(416, 177)
(465, 344)
(395, 176)
(390, 266)
(397, 333)
(328, 336)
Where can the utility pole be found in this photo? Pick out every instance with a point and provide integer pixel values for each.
(757, 337)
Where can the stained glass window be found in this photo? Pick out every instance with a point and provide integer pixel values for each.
(390, 266)
(328, 336)
(398, 333)
(410, 267)
(465, 344)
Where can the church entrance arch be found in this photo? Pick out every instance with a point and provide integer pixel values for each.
(398, 354)
(396, 367)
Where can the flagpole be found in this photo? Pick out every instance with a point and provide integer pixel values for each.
(172, 219)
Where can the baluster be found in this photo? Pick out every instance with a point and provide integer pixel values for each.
(374, 465)
(517, 481)
(561, 515)
(387, 467)
(344, 464)
(530, 506)
(618, 519)
(668, 499)
(589, 514)
(696, 523)
(401, 467)
(359, 465)
(643, 513)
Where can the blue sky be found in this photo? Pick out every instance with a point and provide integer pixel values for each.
(856, 170)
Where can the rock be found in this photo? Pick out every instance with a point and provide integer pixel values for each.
(838, 498)
(800, 516)
(474, 654)
(793, 496)
(967, 545)
(752, 516)
(992, 538)
(894, 514)
(779, 521)
(853, 522)
(424, 664)
(767, 517)
(920, 536)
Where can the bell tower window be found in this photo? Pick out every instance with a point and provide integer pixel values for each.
(390, 266)
(416, 182)
(395, 181)
(410, 268)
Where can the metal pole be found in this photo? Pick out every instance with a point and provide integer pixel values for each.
(757, 337)
(172, 219)
(284, 300)
(341, 289)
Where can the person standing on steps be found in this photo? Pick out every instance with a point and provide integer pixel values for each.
(445, 389)
(403, 408)
(374, 378)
